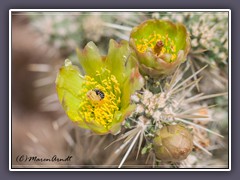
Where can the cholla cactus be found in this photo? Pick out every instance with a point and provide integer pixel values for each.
(61, 30)
(171, 106)
(209, 34)
(93, 26)
(209, 41)
(64, 31)
(165, 100)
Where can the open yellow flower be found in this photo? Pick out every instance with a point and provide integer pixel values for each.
(160, 46)
(99, 100)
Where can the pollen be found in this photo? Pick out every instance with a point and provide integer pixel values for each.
(158, 44)
(100, 112)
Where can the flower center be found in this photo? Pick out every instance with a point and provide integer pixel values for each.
(100, 98)
(159, 44)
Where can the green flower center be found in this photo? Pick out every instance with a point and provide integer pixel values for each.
(159, 44)
(100, 98)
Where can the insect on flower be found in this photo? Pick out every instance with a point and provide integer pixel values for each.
(95, 95)
(99, 100)
(158, 47)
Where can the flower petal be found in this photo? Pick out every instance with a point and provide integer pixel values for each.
(119, 118)
(181, 37)
(98, 129)
(130, 85)
(90, 59)
(117, 57)
(68, 84)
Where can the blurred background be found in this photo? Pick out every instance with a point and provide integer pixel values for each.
(41, 41)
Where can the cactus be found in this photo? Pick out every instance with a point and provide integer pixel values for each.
(169, 104)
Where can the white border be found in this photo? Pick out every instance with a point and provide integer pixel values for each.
(114, 10)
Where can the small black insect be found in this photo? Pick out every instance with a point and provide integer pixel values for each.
(95, 95)
(99, 93)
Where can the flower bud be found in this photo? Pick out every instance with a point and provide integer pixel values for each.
(172, 143)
